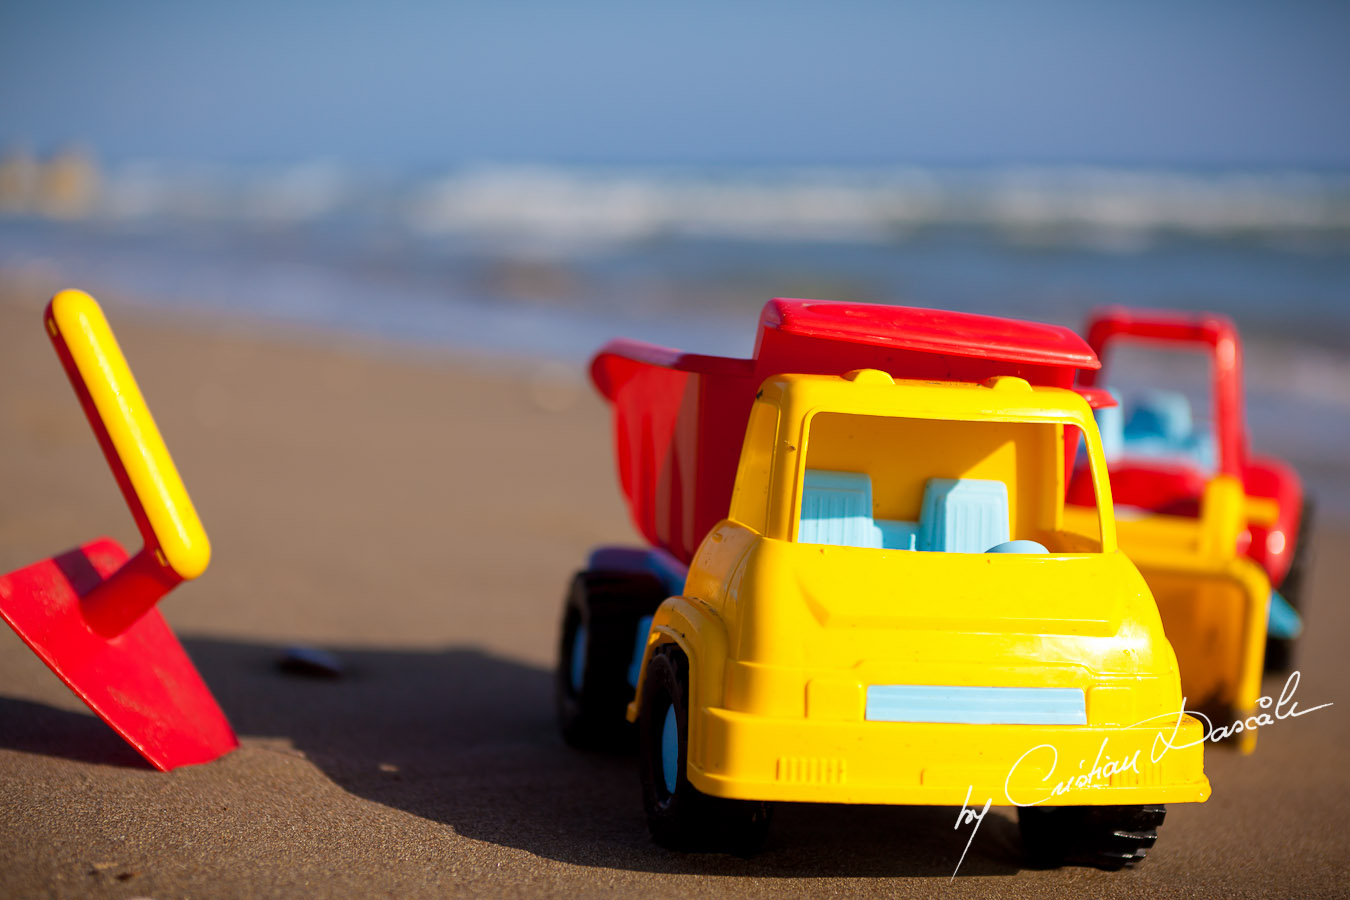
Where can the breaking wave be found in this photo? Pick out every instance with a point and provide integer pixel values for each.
(1104, 208)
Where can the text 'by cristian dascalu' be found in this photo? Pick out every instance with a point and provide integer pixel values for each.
(1106, 765)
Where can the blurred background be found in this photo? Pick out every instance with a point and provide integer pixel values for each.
(528, 179)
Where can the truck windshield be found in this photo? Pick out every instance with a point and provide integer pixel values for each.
(888, 482)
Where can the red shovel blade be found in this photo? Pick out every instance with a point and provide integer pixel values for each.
(140, 682)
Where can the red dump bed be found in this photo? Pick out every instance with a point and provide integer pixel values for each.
(680, 417)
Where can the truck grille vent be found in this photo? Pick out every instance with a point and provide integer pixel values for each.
(812, 769)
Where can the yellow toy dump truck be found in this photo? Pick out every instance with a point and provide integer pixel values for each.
(862, 588)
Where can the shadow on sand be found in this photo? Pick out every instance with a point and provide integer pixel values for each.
(38, 728)
(466, 738)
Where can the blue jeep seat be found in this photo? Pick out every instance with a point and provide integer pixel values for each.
(1160, 414)
(1160, 426)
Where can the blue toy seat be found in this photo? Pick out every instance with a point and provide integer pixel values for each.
(963, 515)
(1165, 415)
(959, 515)
(1160, 426)
(837, 509)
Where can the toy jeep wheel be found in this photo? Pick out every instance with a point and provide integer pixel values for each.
(1108, 837)
(1280, 651)
(679, 816)
(599, 632)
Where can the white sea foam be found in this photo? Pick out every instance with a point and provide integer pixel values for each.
(1053, 205)
(1113, 209)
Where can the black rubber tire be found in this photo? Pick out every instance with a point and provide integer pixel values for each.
(1280, 651)
(593, 715)
(686, 819)
(1106, 837)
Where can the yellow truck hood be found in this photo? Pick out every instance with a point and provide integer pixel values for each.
(827, 607)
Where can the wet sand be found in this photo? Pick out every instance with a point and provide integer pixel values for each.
(420, 514)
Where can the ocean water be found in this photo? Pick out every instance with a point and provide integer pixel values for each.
(547, 262)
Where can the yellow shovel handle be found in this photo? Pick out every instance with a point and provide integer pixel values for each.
(127, 433)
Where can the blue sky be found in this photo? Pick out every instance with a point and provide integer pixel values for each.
(428, 84)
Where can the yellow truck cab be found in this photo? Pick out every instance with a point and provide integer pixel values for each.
(896, 609)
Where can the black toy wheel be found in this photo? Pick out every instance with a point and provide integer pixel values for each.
(599, 633)
(1280, 651)
(679, 816)
(1107, 837)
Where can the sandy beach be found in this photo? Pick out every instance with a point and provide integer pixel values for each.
(419, 514)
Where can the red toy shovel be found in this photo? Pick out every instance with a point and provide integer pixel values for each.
(89, 613)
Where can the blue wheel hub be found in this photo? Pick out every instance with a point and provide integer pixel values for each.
(577, 670)
(670, 750)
